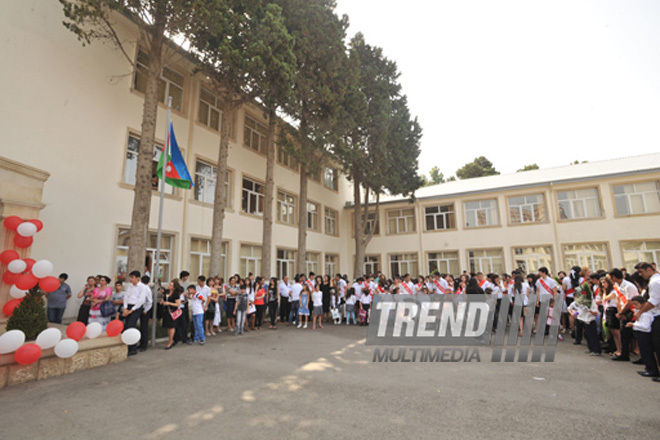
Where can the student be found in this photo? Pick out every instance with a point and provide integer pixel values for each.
(57, 300)
(317, 298)
(146, 314)
(365, 304)
(118, 299)
(209, 314)
(611, 310)
(642, 332)
(134, 300)
(273, 300)
(294, 293)
(587, 311)
(284, 289)
(240, 308)
(350, 306)
(260, 303)
(519, 288)
(199, 301)
(303, 310)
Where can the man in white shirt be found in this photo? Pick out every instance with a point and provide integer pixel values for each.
(440, 285)
(285, 303)
(358, 285)
(134, 299)
(407, 287)
(294, 297)
(648, 272)
(629, 291)
(199, 302)
(341, 286)
(146, 314)
(545, 286)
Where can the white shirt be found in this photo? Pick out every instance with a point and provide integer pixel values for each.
(351, 300)
(549, 281)
(654, 293)
(644, 322)
(497, 290)
(295, 291)
(341, 284)
(199, 299)
(366, 299)
(628, 289)
(285, 289)
(524, 291)
(149, 299)
(358, 289)
(136, 295)
(317, 298)
(443, 283)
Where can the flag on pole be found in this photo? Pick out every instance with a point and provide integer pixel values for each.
(176, 171)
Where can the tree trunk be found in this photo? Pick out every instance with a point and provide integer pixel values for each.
(358, 226)
(267, 238)
(302, 221)
(220, 201)
(137, 245)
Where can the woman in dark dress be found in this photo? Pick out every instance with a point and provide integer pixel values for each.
(171, 302)
(325, 288)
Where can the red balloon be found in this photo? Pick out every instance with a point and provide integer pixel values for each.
(26, 281)
(23, 242)
(30, 262)
(76, 330)
(27, 354)
(38, 223)
(8, 308)
(10, 278)
(8, 256)
(12, 222)
(49, 284)
(114, 327)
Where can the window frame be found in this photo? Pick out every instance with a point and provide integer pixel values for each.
(170, 191)
(294, 213)
(656, 252)
(317, 228)
(405, 218)
(335, 178)
(438, 214)
(495, 209)
(325, 221)
(598, 198)
(256, 261)
(212, 106)
(536, 255)
(291, 263)
(260, 196)
(203, 255)
(164, 82)
(399, 262)
(263, 143)
(445, 259)
(607, 251)
(634, 183)
(542, 209)
(486, 249)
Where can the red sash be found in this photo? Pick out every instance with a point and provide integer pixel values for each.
(481, 283)
(620, 295)
(310, 284)
(407, 287)
(439, 286)
(545, 286)
(380, 289)
(569, 291)
(459, 292)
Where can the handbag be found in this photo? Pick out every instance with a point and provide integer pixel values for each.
(175, 315)
(107, 309)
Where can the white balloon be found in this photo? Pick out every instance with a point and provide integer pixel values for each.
(17, 266)
(11, 341)
(49, 338)
(131, 336)
(42, 268)
(17, 293)
(26, 229)
(66, 348)
(94, 330)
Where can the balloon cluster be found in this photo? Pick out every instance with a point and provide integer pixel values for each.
(13, 341)
(24, 274)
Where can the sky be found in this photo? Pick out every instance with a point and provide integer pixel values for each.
(522, 82)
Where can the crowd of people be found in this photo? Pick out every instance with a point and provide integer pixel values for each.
(616, 311)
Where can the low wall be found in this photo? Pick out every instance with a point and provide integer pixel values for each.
(92, 353)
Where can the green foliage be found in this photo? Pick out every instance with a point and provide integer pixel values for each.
(528, 168)
(30, 315)
(479, 167)
(435, 177)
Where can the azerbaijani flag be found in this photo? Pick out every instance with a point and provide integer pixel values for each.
(176, 171)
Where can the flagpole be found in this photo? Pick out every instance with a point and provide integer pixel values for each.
(157, 273)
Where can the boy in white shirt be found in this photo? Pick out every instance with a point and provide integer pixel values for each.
(199, 302)
(642, 331)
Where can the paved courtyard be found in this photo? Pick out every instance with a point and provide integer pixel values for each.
(300, 384)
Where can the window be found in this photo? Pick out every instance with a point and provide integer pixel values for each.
(637, 198)
(331, 221)
(579, 203)
(315, 176)
(440, 217)
(209, 110)
(205, 178)
(312, 216)
(594, 256)
(286, 208)
(286, 263)
(640, 251)
(481, 213)
(165, 266)
(371, 264)
(486, 261)
(530, 259)
(527, 209)
(130, 167)
(331, 178)
(286, 159)
(401, 264)
(250, 260)
(169, 84)
(371, 224)
(443, 262)
(252, 197)
(254, 135)
(331, 264)
(401, 221)
(200, 258)
(312, 262)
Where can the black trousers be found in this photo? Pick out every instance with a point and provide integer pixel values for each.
(655, 337)
(272, 311)
(181, 333)
(645, 343)
(579, 328)
(261, 309)
(591, 334)
(144, 329)
(285, 309)
(131, 322)
(626, 339)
